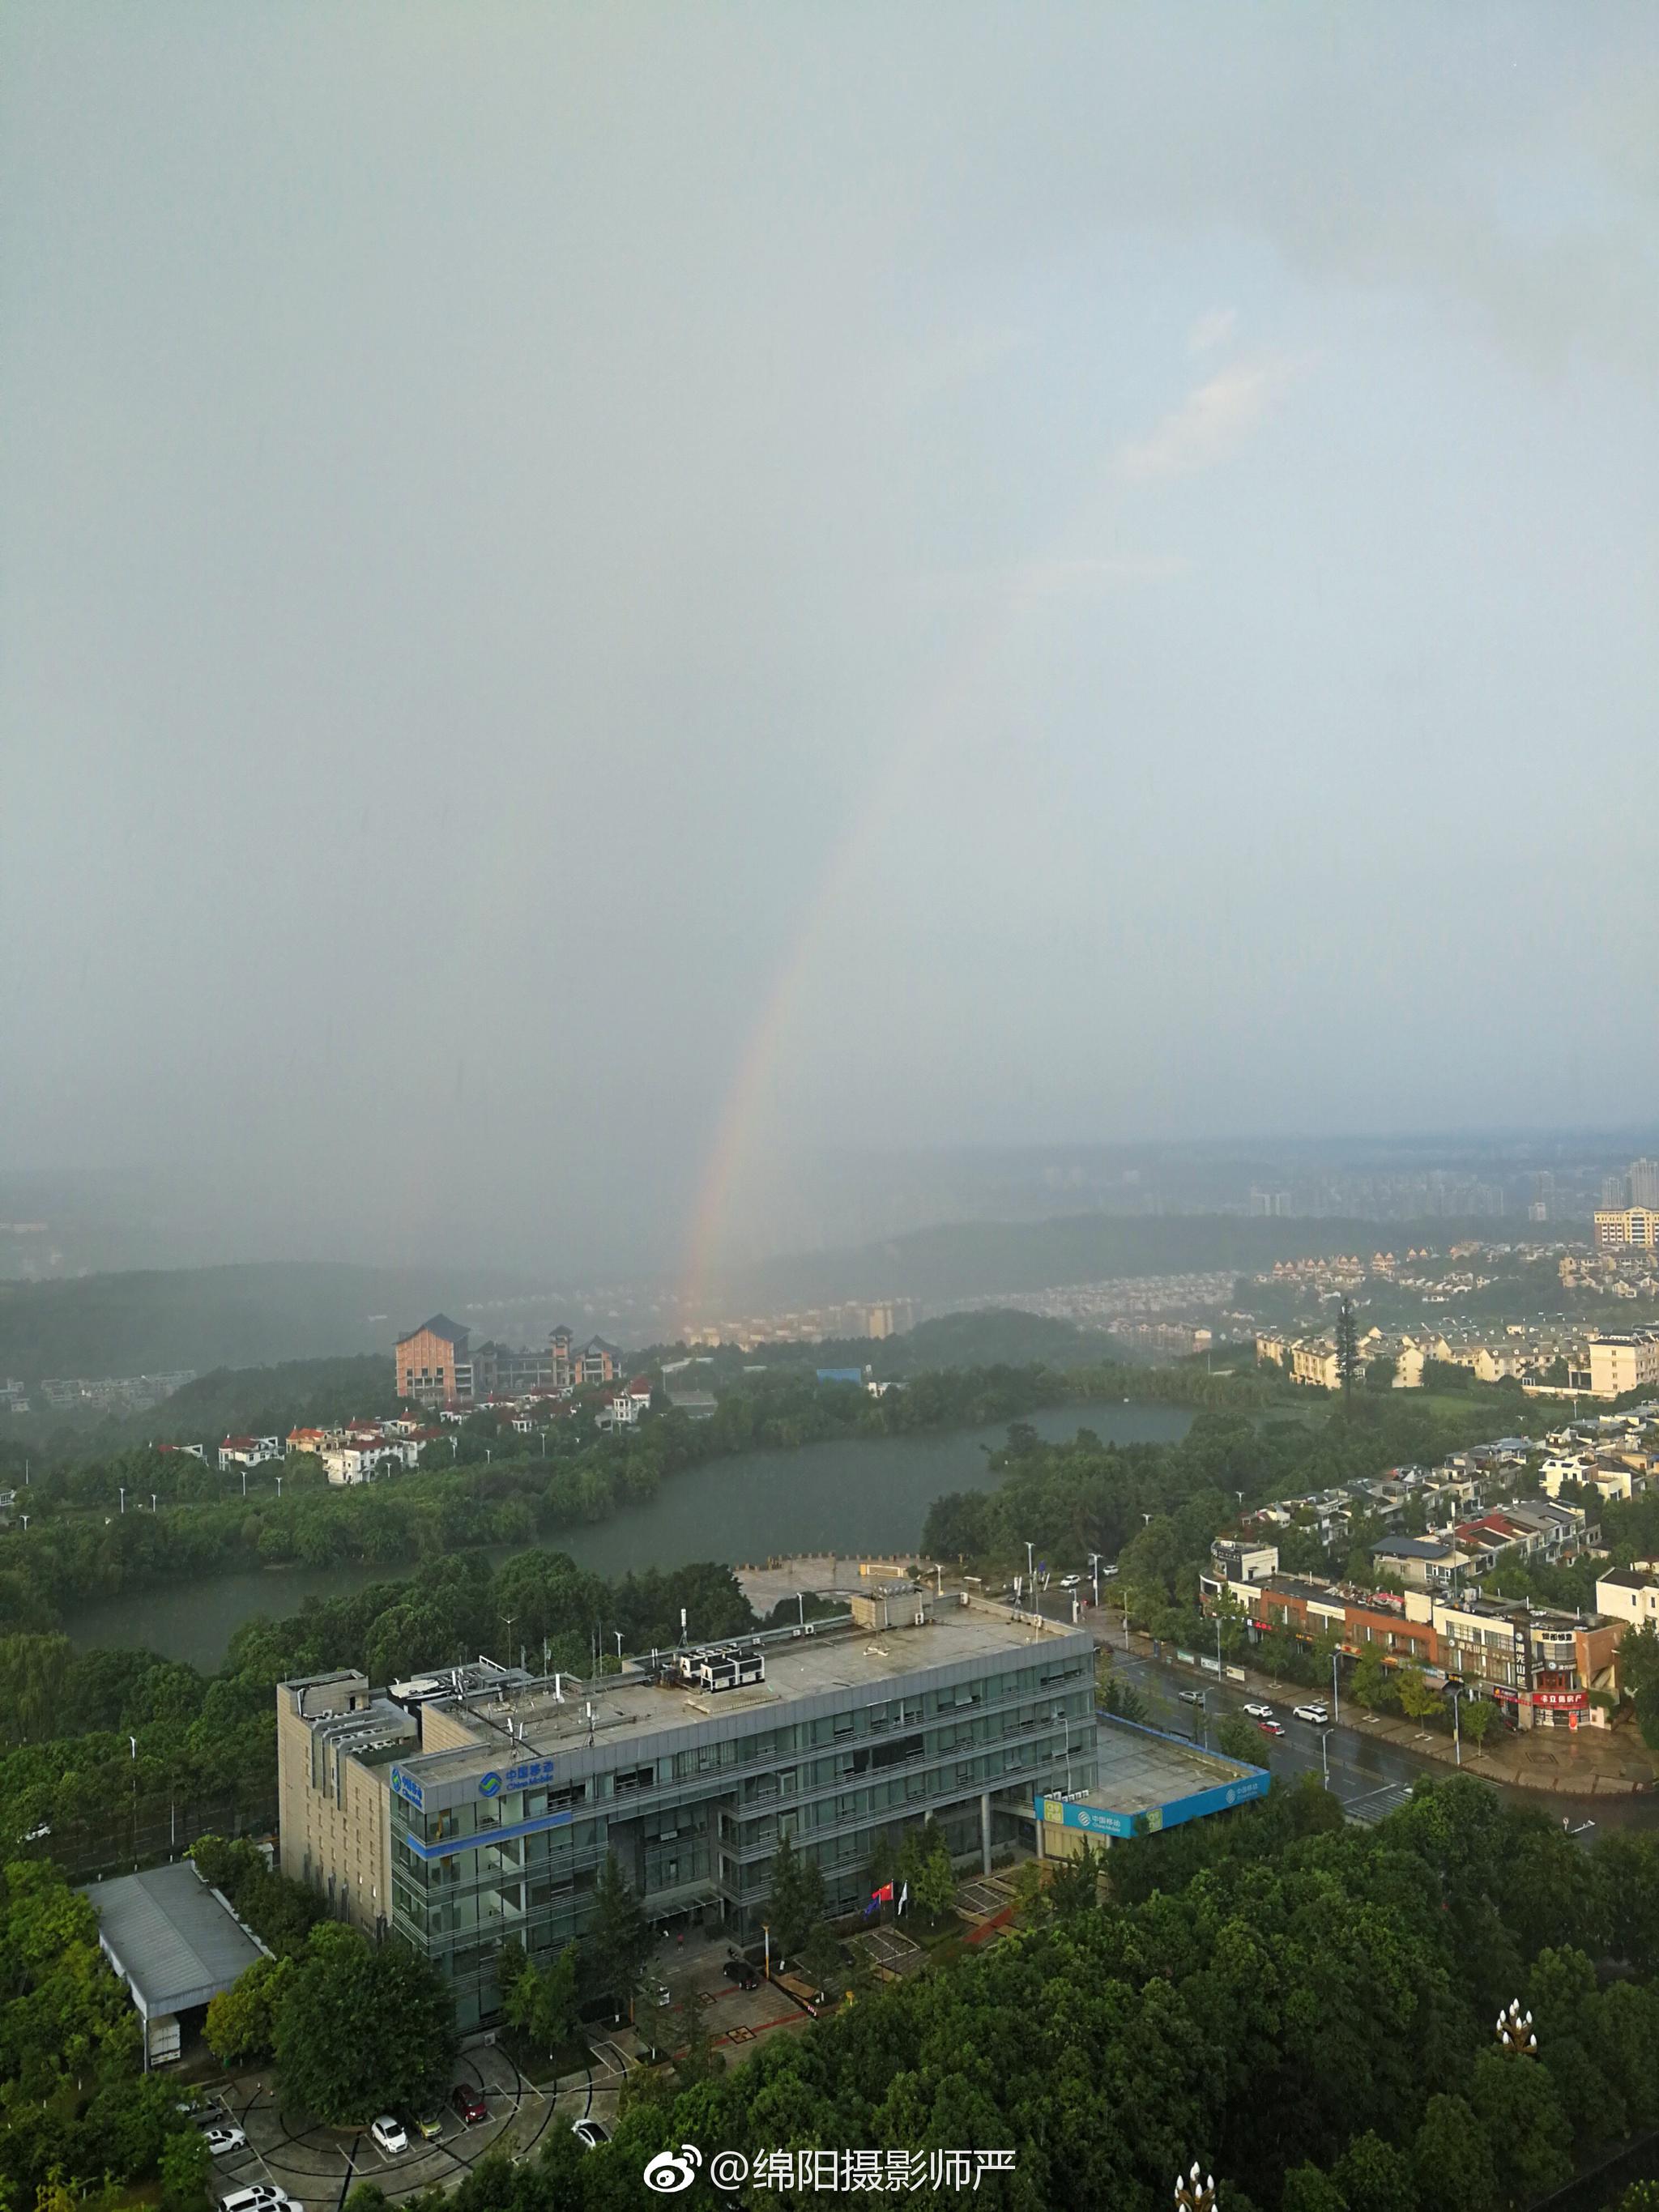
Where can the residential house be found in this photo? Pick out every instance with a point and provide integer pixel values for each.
(248, 1451)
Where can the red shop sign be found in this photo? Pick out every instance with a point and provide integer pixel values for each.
(1567, 1701)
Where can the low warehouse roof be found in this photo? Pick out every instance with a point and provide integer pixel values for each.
(173, 1939)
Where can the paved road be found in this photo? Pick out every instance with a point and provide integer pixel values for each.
(1370, 1776)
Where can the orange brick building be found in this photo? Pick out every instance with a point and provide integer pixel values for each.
(428, 1360)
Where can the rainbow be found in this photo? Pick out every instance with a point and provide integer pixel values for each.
(743, 1110)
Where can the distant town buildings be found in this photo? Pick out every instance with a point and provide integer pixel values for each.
(437, 1366)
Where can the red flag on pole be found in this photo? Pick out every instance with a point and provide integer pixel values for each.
(883, 1895)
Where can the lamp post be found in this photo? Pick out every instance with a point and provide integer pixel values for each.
(1194, 2193)
(1336, 1695)
(1325, 1755)
(509, 1618)
(1515, 2037)
(1094, 1577)
(122, 1487)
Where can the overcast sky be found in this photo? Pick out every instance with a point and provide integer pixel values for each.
(576, 579)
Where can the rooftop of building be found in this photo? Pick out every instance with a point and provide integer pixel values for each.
(1139, 1769)
(176, 1941)
(513, 1715)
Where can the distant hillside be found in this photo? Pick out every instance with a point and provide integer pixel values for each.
(980, 1258)
(269, 1400)
(157, 1321)
(1001, 1336)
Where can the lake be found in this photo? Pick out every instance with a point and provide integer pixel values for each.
(868, 1494)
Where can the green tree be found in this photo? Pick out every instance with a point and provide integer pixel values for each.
(1530, 2139)
(1375, 2176)
(620, 1938)
(361, 2029)
(1418, 1698)
(1074, 1884)
(1241, 1739)
(796, 1904)
(1477, 1720)
(241, 2021)
(187, 2165)
(556, 2015)
(1453, 2159)
(1368, 1684)
(1309, 2189)
(1638, 1678)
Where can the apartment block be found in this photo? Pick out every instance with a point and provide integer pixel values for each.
(1626, 1360)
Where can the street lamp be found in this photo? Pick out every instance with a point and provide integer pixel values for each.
(1094, 1576)
(1336, 1695)
(1515, 2037)
(1325, 1755)
(1192, 2194)
(123, 1489)
(509, 1618)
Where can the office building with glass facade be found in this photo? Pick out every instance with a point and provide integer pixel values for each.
(466, 1808)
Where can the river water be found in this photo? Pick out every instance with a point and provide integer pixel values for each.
(868, 1494)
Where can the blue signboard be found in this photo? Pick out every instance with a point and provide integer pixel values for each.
(407, 1789)
(1102, 1820)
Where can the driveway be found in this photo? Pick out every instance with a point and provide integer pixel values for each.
(318, 2166)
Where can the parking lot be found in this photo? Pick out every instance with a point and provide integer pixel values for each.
(695, 1977)
(318, 2166)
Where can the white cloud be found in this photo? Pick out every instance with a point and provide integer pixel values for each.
(1212, 421)
(1212, 329)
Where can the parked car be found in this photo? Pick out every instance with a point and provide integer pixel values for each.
(740, 1972)
(429, 2125)
(1270, 1727)
(1316, 1714)
(1070, 1581)
(260, 2197)
(1259, 1713)
(661, 1993)
(221, 2139)
(590, 2134)
(1190, 1697)
(388, 2134)
(469, 2103)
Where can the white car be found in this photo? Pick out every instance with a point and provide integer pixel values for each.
(1259, 1713)
(1190, 1697)
(389, 2136)
(1070, 1581)
(221, 2139)
(262, 2197)
(1316, 1714)
(590, 2134)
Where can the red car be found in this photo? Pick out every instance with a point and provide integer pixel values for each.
(469, 2103)
(1270, 1727)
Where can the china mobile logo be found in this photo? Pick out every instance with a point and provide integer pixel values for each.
(671, 2171)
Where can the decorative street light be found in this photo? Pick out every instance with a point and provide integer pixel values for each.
(1194, 2194)
(1515, 2037)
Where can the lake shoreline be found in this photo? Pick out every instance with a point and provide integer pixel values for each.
(850, 1495)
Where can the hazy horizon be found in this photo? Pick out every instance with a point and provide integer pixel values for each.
(596, 605)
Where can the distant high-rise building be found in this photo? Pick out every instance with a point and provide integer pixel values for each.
(1643, 1179)
(1632, 1225)
(1615, 1193)
(1269, 1204)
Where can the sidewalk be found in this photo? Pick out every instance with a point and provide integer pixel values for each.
(1571, 1763)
